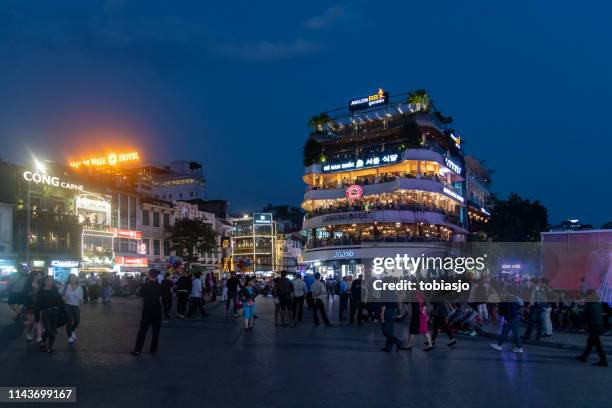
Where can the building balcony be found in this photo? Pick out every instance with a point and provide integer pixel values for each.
(399, 184)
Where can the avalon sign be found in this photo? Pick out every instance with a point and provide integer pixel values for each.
(380, 97)
(53, 181)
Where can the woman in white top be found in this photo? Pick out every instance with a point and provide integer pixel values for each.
(73, 297)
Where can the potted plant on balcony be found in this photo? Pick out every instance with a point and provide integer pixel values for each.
(420, 99)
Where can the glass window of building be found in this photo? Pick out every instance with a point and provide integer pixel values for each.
(156, 247)
(132, 212)
(155, 219)
(166, 247)
(166, 220)
(146, 217)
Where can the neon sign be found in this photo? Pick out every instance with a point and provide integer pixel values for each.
(452, 194)
(362, 163)
(380, 97)
(452, 165)
(112, 159)
(50, 180)
(353, 192)
(130, 234)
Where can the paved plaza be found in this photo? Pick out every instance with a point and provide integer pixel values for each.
(211, 362)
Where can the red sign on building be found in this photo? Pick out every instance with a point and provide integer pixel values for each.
(131, 261)
(130, 234)
(353, 192)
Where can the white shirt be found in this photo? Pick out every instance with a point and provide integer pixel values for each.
(73, 297)
(299, 287)
(196, 288)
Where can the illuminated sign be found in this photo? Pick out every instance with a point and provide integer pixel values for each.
(379, 98)
(353, 192)
(53, 181)
(64, 264)
(225, 242)
(456, 139)
(343, 254)
(142, 248)
(131, 234)
(362, 163)
(131, 261)
(112, 159)
(93, 202)
(262, 218)
(452, 194)
(38, 264)
(452, 165)
(484, 211)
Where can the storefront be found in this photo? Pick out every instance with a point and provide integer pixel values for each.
(61, 269)
(131, 265)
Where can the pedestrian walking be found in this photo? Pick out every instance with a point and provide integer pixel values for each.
(73, 297)
(49, 303)
(247, 297)
(167, 288)
(510, 310)
(356, 303)
(150, 292)
(309, 280)
(343, 292)
(195, 298)
(16, 288)
(233, 286)
(284, 290)
(593, 319)
(440, 323)
(33, 328)
(183, 290)
(299, 291)
(388, 312)
(318, 295)
(418, 323)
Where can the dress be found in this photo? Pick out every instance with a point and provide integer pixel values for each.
(248, 311)
(418, 322)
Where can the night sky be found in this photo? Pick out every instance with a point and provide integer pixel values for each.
(233, 84)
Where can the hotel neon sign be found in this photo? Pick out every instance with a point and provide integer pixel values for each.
(112, 159)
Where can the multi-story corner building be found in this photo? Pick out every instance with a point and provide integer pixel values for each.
(179, 181)
(382, 177)
(254, 247)
(478, 183)
(289, 252)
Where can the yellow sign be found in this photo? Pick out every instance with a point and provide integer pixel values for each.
(112, 159)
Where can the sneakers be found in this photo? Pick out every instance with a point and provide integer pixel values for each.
(473, 333)
(452, 343)
(72, 338)
(496, 346)
(517, 350)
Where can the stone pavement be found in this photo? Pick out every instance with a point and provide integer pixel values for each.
(213, 362)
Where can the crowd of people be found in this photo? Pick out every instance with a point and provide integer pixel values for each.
(504, 304)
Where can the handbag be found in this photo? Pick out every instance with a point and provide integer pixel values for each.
(250, 302)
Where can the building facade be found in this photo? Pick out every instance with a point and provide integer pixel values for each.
(382, 179)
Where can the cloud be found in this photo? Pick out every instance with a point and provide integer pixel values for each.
(267, 50)
(330, 16)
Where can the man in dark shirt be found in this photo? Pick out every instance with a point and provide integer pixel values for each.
(232, 285)
(167, 286)
(356, 304)
(284, 289)
(387, 316)
(151, 293)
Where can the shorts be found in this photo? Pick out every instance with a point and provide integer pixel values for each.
(248, 311)
(16, 298)
(285, 302)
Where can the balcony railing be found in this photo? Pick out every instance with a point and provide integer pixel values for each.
(384, 178)
(319, 243)
(363, 207)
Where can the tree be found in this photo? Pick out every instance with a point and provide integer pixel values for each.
(318, 121)
(607, 225)
(191, 238)
(312, 152)
(516, 220)
(421, 99)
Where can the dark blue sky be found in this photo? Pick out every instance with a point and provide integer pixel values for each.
(234, 83)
